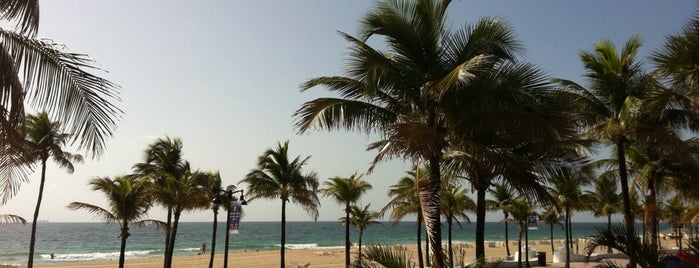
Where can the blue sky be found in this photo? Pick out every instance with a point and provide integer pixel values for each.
(224, 76)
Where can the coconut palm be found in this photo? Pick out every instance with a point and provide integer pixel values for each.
(513, 128)
(129, 201)
(182, 194)
(609, 109)
(278, 176)
(41, 75)
(213, 182)
(405, 201)
(502, 194)
(361, 218)
(551, 217)
(45, 140)
(673, 210)
(346, 191)
(566, 189)
(162, 161)
(604, 200)
(455, 202)
(401, 92)
(676, 60)
(520, 210)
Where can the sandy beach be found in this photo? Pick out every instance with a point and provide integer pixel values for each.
(334, 257)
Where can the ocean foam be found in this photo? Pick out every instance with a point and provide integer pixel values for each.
(94, 256)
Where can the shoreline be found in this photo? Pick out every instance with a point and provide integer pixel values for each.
(324, 256)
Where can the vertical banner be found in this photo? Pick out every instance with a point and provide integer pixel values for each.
(234, 210)
(532, 222)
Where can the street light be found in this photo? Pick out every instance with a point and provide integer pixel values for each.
(218, 201)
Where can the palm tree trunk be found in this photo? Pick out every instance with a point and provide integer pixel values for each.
(213, 238)
(168, 262)
(347, 235)
(124, 236)
(451, 252)
(420, 262)
(283, 233)
(519, 247)
(32, 241)
(653, 214)
(361, 233)
(430, 204)
(553, 250)
(507, 242)
(480, 223)
(171, 247)
(568, 237)
(428, 262)
(628, 215)
(609, 227)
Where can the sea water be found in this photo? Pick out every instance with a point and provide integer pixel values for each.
(69, 242)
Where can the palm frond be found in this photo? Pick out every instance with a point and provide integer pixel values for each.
(99, 212)
(10, 219)
(25, 12)
(61, 83)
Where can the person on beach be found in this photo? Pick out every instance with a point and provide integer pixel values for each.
(203, 249)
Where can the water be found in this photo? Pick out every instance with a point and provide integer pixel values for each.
(98, 241)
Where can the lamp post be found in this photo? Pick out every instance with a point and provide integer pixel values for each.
(218, 200)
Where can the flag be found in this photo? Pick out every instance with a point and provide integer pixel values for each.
(234, 210)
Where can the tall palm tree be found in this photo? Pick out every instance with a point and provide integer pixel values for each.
(361, 218)
(455, 202)
(567, 190)
(512, 127)
(401, 92)
(163, 159)
(502, 194)
(346, 191)
(129, 201)
(182, 194)
(214, 189)
(604, 200)
(551, 217)
(42, 75)
(673, 210)
(278, 176)
(520, 210)
(609, 108)
(45, 140)
(405, 201)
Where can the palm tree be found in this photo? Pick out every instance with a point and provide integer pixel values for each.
(551, 217)
(277, 176)
(605, 199)
(676, 60)
(520, 210)
(162, 160)
(512, 127)
(455, 202)
(129, 201)
(361, 218)
(346, 191)
(502, 194)
(673, 211)
(609, 108)
(182, 194)
(45, 140)
(401, 92)
(405, 201)
(566, 189)
(41, 74)
(213, 181)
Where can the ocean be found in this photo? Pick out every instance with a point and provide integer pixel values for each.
(70, 242)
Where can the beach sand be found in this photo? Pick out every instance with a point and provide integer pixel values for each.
(324, 257)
